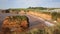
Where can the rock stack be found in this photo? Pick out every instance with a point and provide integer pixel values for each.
(15, 24)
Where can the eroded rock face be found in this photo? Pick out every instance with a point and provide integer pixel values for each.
(15, 23)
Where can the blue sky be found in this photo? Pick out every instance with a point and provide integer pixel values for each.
(5, 4)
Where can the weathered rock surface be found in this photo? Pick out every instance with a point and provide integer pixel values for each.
(15, 24)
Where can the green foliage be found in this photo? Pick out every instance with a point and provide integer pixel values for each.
(54, 15)
(17, 19)
(41, 8)
(11, 18)
(23, 18)
(58, 14)
(37, 31)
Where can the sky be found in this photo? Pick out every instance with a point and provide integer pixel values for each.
(5, 4)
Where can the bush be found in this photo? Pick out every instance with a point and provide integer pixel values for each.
(54, 15)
